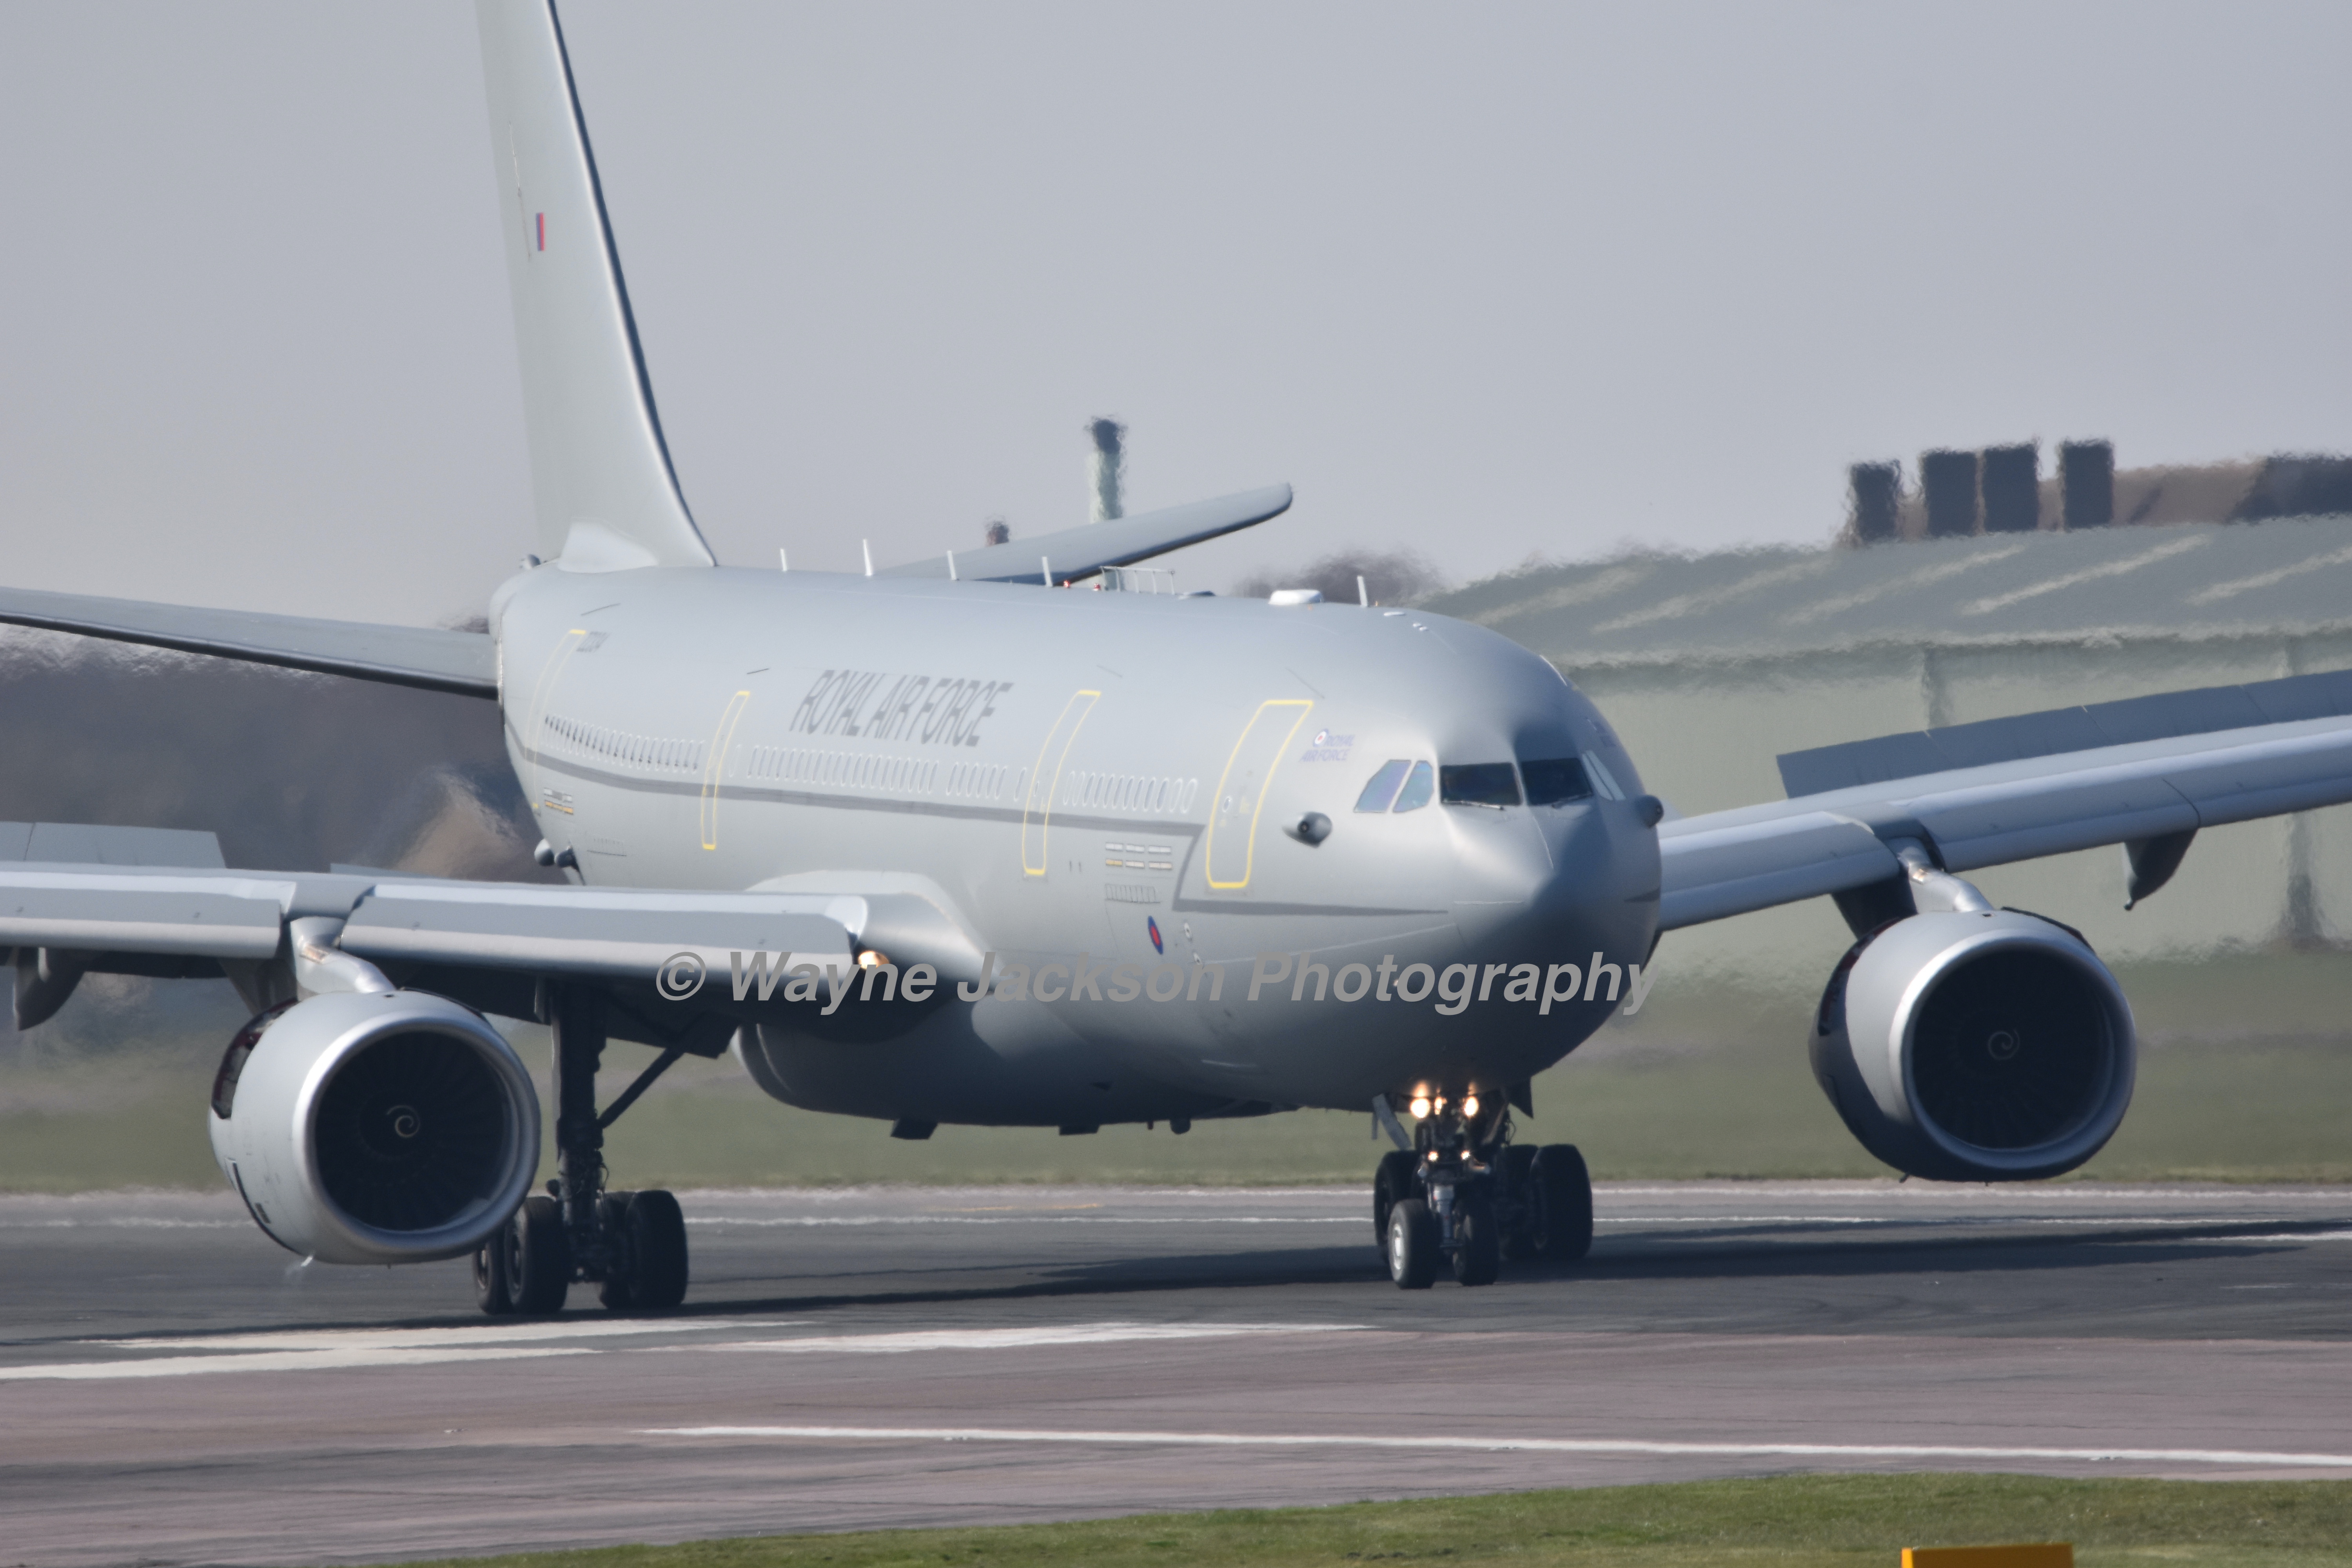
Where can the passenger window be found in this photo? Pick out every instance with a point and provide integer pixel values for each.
(1419, 785)
(1478, 783)
(1556, 781)
(1383, 788)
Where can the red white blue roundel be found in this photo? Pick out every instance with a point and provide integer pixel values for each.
(1152, 926)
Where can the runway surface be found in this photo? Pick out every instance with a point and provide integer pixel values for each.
(174, 1390)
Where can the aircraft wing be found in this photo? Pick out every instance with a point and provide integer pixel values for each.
(1081, 552)
(427, 657)
(2146, 773)
(476, 940)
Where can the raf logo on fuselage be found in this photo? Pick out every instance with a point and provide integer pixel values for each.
(1328, 747)
(941, 711)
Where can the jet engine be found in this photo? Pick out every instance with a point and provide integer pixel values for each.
(391, 1127)
(1980, 1046)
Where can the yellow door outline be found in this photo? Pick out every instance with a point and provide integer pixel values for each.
(714, 766)
(1249, 847)
(1038, 803)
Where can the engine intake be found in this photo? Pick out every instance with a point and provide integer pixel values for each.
(1976, 1047)
(375, 1129)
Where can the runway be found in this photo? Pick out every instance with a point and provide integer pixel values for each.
(174, 1390)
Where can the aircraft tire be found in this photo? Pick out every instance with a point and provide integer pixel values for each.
(614, 1292)
(1412, 1246)
(538, 1263)
(1478, 1257)
(1515, 1171)
(655, 1248)
(1392, 1181)
(1564, 1202)
(493, 1291)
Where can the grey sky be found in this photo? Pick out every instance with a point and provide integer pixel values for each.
(1483, 281)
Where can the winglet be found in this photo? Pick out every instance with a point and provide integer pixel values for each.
(607, 498)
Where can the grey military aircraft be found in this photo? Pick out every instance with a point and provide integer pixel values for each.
(948, 844)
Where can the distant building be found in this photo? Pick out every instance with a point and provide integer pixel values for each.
(2003, 490)
(996, 532)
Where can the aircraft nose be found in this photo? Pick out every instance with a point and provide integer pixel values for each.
(1554, 882)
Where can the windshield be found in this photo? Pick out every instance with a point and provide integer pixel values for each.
(1555, 781)
(1419, 785)
(1383, 788)
(1478, 783)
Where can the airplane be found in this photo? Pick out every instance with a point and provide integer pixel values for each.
(946, 844)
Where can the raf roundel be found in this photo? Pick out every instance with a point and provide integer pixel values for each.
(1152, 926)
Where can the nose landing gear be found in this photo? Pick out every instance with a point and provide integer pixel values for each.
(1463, 1198)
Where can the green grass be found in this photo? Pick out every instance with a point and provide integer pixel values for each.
(1786, 1520)
(2245, 1077)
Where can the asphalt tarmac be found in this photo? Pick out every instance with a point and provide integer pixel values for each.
(174, 1389)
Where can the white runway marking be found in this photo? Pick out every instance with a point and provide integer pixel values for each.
(2254, 1458)
(1020, 1339)
(123, 1222)
(1929, 1222)
(274, 1361)
(462, 1334)
(336, 1350)
(858, 1219)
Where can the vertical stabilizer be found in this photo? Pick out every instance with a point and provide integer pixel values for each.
(606, 497)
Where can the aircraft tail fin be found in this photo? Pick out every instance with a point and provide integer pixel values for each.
(606, 497)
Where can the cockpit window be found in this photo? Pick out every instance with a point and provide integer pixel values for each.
(1383, 788)
(1555, 781)
(1419, 785)
(1478, 783)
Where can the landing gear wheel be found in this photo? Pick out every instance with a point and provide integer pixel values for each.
(493, 1289)
(538, 1259)
(1412, 1244)
(611, 1223)
(1478, 1256)
(1515, 1171)
(1392, 1184)
(653, 1249)
(1563, 1194)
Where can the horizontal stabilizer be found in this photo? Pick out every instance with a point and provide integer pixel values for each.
(1082, 552)
(426, 657)
(81, 843)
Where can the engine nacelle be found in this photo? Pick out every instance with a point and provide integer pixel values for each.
(1976, 1047)
(375, 1129)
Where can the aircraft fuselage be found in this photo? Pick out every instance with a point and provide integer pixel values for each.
(1093, 780)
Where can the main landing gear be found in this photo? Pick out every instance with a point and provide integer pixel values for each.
(1465, 1197)
(632, 1245)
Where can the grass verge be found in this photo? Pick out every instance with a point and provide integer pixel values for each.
(1779, 1522)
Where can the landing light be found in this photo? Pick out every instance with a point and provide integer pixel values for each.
(1469, 1105)
(1433, 1156)
(1419, 1108)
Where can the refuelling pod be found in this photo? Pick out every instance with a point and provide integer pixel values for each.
(375, 1129)
(1976, 1047)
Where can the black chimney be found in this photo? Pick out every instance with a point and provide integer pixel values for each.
(1949, 480)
